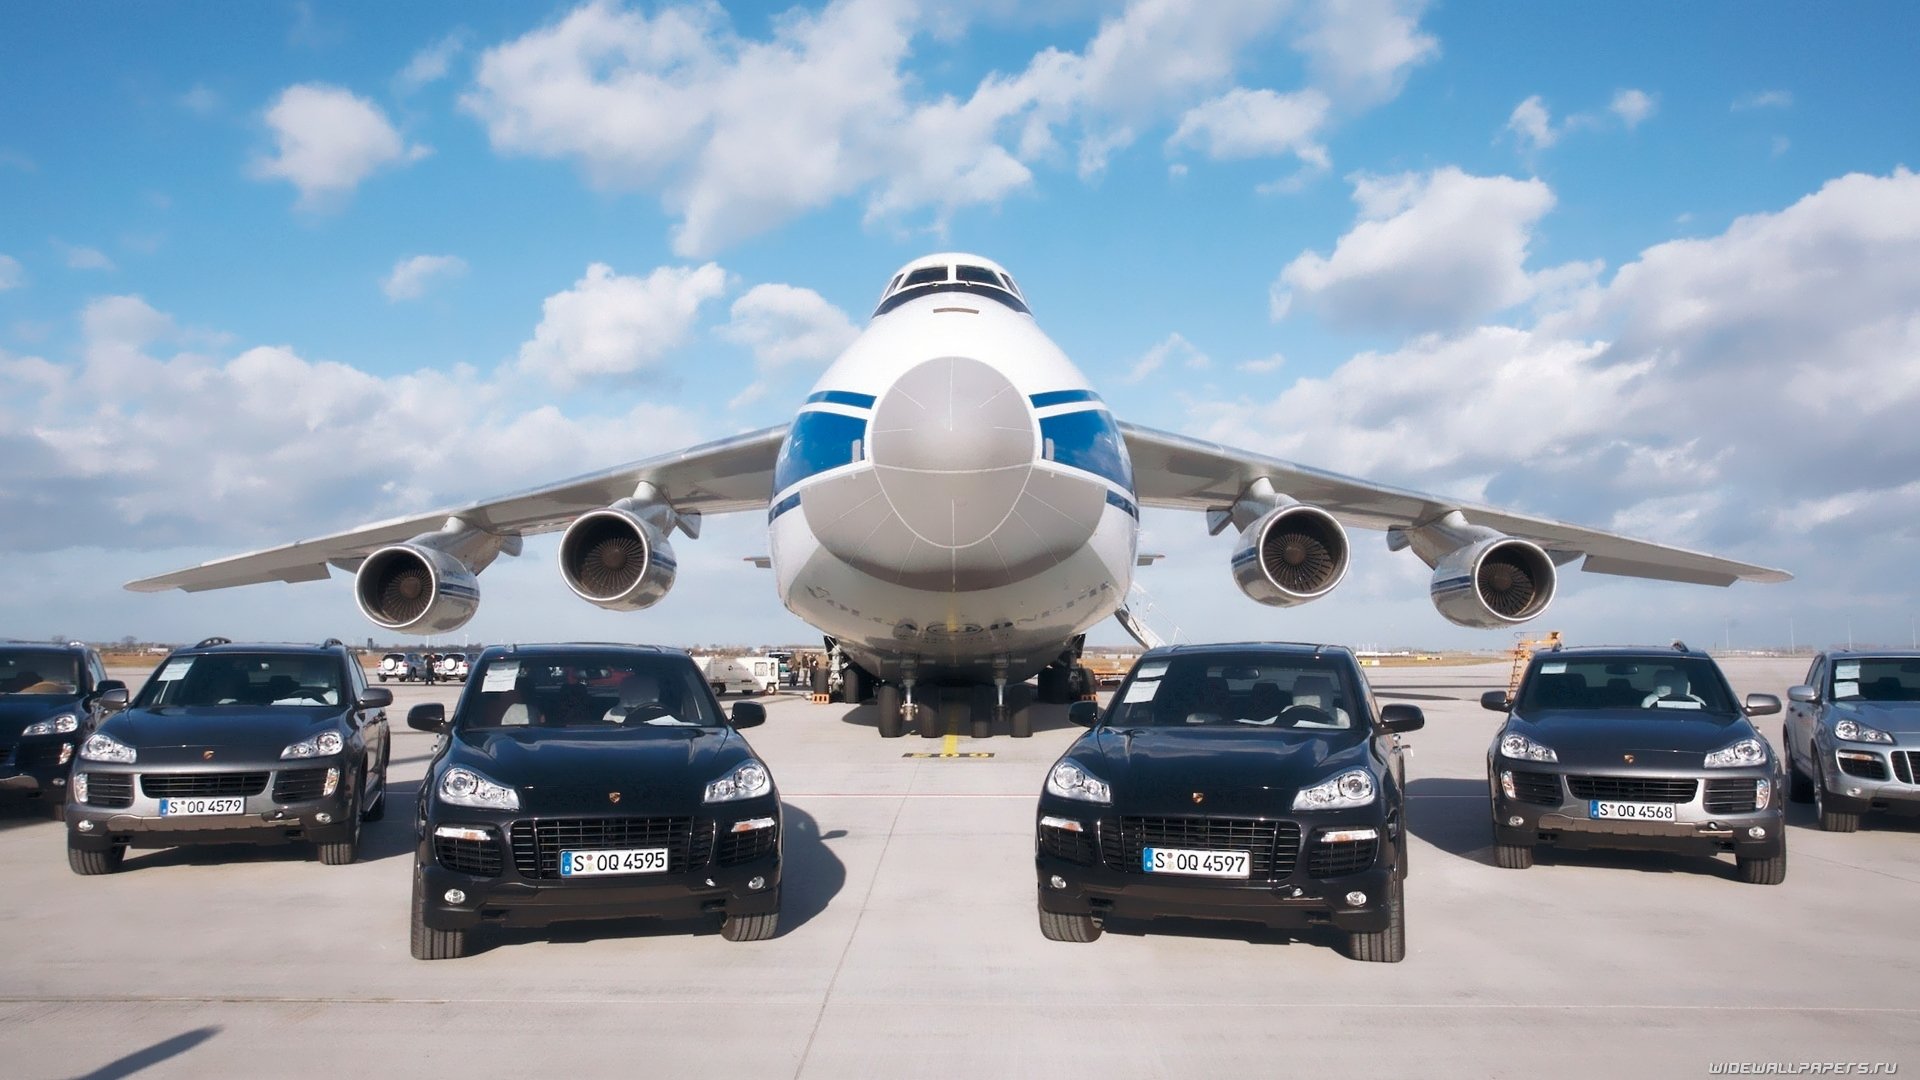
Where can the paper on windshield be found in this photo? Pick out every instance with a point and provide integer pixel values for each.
(1141, 690)
(1846, 689)
(500, 677)
(176, 669)
(1152, 671)
(1665, 704)
(1847, 671)
(1556, 668)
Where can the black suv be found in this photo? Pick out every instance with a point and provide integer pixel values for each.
(1635, 748)
(51, 699)
(1253, 781)
(591, 782)
(234, 744)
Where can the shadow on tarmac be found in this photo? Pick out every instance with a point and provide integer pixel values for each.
(142, 1059)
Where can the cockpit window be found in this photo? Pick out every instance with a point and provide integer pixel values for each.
(1013, 286)
(971, 279)
(980, 274)
(926, 275)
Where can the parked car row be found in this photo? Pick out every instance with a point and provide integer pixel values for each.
(422, 667)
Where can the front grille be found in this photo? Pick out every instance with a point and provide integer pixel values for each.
(1865, 768)
(1074, 847)
(1903, 765)
(735, 848)
(1539, 788)
(299, 785)
(201, 785)
(110, 790)
(1341, 857)
(6, 751)
(478, 857)
(1731, 797)
(1637, 788)
(41, 756)
(1274, 846)
(537, 844)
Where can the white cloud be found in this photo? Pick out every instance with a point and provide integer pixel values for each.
(12, 274)
(1633, 107)
(1257, 123)
(1428, 252)
(1264, 366)
(431, 63)
(786, 325)
(326, 141)
(1763, 99)
(201, 99)
(610, 326)
(1366, 48)
(412, 276)
(1780, 145)
(1532, 124)
(81, 257)
(1174, 348)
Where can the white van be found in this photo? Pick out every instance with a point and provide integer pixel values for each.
(731, 675)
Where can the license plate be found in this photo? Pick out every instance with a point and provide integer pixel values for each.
(1601, 810)
(630, 861)
(184, 807)
(1228, 864)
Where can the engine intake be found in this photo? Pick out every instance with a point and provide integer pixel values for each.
(1290, 555)
(617, 558)
(416, 589)
(1493, 583)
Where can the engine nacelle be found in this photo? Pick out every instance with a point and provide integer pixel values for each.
(1493, 583)
(617, 557)
(416, 589)
(1290, 555)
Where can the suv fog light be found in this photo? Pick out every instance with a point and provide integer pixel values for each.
(756, 883)
(333, 784)
(323, 817)
(455, 896)
(1356, 898)
(1757, 833)
(1516, 821)
(1853, 792)
(85, 826)
(1506, 783)
(1057, 881)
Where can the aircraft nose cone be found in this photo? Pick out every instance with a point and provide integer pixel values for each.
(952, 444)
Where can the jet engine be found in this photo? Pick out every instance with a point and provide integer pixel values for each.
(416, 589)
(1290, 555)
(619, 557)
(1493, 583)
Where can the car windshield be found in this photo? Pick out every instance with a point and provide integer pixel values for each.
(1877, 678)
(587, 690)
(247, 680)
(1658, 684)
(1291, 693)
(38, 674)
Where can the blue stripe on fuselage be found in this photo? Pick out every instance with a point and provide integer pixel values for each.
(842, 397)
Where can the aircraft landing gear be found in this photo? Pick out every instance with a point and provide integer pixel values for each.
(886, 701)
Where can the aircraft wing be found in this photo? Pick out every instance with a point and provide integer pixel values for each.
(1178, 472)
(720, 477)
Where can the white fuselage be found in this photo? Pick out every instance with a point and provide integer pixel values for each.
(953, 502)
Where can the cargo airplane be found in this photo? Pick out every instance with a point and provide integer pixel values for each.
(953, 506)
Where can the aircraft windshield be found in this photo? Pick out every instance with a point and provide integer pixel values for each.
(1294, 694)
(1892, 678)
(38, 674)
(247, 680)
(1677, 684)
(609, 691)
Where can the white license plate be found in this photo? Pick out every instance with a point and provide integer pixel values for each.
(630, 861)
(1228, 864)
(232, 804)
(1602, 810)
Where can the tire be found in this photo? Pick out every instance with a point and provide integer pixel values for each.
(1053, 686)
(750, 927)
(1022, 725)
(1083, 683)
(927, 719)
(1079, 929)
(886, 699)
(1512, 856)
(383, 677)
(88, 863)
(427, 943)
(820, 677)
(856, 685)
(343, 852)
(1387, 946)
(1831, 820)
(1757, 871)
(984, 713)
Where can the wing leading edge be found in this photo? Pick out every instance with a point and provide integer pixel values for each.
(1177, 472)
(725, 476)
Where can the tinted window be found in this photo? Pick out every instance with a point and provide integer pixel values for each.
(980, 274)
(1295, 694)
(1088, 440)
(816, 442)
(1679, 684)
(926, 275)
(38, 674)
(246, 680)
(1889, 678)
(587, 690)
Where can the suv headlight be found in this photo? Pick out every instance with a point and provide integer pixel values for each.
(748, 779)
(106, 748)
(1743, 753)
(1855, 731)
(1070, 781)
(1351, 788)
(64, 724)
(1520, 748)
(464, 787)
(325, 744)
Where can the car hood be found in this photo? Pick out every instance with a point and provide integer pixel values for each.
(17, 712)
(251, 731)
(1672, 737)
(1893, 717)
(1234, 771)
(654, 769)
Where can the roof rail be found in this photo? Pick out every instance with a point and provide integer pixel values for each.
(1680, 646)
(208, 643)
(330, 643)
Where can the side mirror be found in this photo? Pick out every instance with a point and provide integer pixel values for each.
(111, 694)
(376, 697)
(748, 714)
(1084, 713)
(428, 716)
(1805, 695)
(1496, 700)
(1762, 704)
(1399, 717)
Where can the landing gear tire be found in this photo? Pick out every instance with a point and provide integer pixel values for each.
(1387, 946)
(927, 720)
(886, 700)
(1082, 684)
(984, 712)
(426, 942)
(856, 685)
(1053, 686)
(1021, 726)
(820, 680)
(1079, 929)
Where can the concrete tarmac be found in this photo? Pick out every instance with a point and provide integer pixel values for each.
(909, 947)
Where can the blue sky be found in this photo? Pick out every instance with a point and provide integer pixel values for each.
(1602, 262)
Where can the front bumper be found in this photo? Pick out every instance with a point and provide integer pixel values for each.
(265, 818)
(38, 765)
(1545, 810)
(710, 874)
(1864, 777)
(1098, 873)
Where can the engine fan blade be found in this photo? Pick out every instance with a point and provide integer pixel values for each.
(1506, 587)
(1298, 561)
(613, 565)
